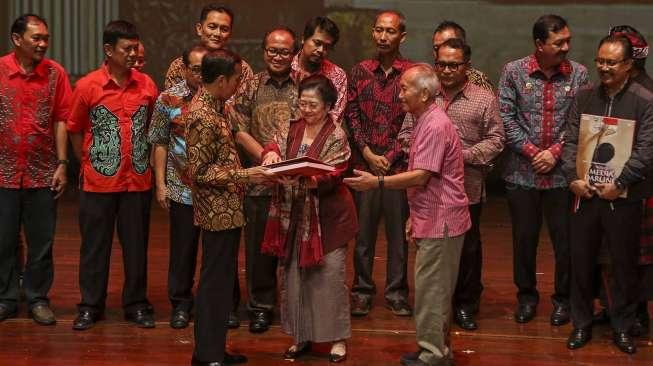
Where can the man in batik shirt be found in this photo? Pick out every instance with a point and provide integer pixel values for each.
(108, 123)
(320, 36)
(214, 31)
(264, 110)
(167, 134)
(535, 94)
(374, 116)
(34, 105)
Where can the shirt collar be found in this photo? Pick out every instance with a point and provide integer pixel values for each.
(106, 78)
(267, 79)
(41, 68)
(210, 101)
(533, 66)
(399, 64)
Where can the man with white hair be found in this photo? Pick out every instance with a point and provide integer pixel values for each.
(438, 211)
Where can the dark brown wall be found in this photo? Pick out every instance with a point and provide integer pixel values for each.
(167, 26)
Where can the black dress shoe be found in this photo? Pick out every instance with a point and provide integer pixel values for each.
(85, 320)
(232, 359)
(299, 351)
(465, 319)
(195, 362)
(5, 313)
(232, 321)
(579, 337)
(560, 316)
(259, 321)
(524, 313)
(179, 319)
(141, 317)
(624, 342)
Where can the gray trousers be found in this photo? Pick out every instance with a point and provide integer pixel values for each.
(436, 273)
(371, 205)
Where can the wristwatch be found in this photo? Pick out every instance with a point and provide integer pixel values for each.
(380, 182)
(62, 161)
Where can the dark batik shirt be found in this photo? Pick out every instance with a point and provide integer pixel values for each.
(374, 114)
(217, 177)
(534, 112)
(264, 110)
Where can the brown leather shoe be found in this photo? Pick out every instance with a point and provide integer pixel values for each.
(42, 314)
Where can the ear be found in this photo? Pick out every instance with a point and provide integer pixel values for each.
(539, 44)
(403, 37)
(16, 39)
(198, 29)
(108, 49)
(629, 64)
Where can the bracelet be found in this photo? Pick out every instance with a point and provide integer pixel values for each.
(381, 182)
(62, 161)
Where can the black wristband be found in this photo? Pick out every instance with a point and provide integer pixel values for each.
(62, 161)
(381, 182)
(620, 185)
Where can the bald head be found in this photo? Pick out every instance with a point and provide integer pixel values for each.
(419, 85)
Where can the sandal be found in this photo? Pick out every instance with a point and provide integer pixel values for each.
(297, 350)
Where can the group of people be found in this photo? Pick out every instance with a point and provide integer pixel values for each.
(411, 143)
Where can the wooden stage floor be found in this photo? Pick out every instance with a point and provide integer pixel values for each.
(378, 339)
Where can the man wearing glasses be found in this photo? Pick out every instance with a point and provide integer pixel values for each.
(173, 193)
(535, 94)
(448, 30)
(475, 112)
(602, 212)
(374, 116)
(263, 110)
(320, 36)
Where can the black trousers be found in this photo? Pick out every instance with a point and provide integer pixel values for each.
(99, 215)
(184, 242)
(467, 295)
(527, 208)
(371, 205)
(36, 209)
(261, 269)
(619, 223)
(214, 293)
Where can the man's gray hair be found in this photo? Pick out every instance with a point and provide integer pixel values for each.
(425, 78)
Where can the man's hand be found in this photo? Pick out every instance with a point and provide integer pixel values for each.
(363, 181)
(378, 163)
(59, 181)
(543, 162)
(409, 231)
(162, 196)
(582, 188)
(608, 191)
(259, 175)
(271, 158)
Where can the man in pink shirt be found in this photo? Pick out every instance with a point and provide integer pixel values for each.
(438, 212)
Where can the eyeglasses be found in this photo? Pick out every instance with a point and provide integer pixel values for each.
(607, 62)
(453, 66)
(273, 52)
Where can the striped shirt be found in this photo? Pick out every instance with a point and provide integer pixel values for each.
(442, 202)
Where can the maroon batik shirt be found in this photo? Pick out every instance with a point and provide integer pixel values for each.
(374, 114)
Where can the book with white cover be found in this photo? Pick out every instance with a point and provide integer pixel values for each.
(303, 166)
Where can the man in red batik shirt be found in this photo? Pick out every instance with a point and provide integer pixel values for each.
(34, 105)
(110, 112)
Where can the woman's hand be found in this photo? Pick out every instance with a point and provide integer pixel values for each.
(271, 158)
